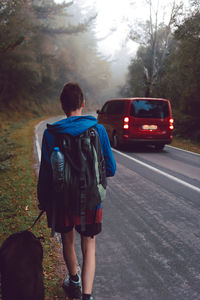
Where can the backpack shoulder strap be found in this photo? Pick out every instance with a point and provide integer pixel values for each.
(66, 144)
(96, 140)
(100, 157)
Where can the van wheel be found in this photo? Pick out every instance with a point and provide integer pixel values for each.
(159, 146)
(115, 141)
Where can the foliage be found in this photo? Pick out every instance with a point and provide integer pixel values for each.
(155, 40)
(41, 47)
(177, 76)
(180, 78)
(12, 14)
(18, 197)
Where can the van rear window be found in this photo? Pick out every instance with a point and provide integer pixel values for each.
(156, 109)
(113, 108)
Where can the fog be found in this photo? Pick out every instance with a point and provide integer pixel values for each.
(112, 38)
(100, 73)
(44, 44)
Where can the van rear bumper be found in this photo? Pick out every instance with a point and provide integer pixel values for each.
(146, 141)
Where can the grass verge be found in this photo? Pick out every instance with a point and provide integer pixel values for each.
(19, 200)
(186, 144)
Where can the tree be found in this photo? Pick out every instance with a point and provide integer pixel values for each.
(11, 18)
(179, 79)
(51, 18)
(155, 41)
(181, 72)
(32, 63)
(15, 29)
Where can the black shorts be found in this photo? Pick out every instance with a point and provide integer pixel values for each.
(91, 229)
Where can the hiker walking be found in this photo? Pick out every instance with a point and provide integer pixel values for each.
(78, 204)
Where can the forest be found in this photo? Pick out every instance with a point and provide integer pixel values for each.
(43, 45)
(167, 65)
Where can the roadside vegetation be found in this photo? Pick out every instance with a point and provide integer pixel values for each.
(18, 196)
(186, 144)
(41, 47)
(167, 64)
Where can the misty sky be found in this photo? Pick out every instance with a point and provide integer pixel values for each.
(115, 17)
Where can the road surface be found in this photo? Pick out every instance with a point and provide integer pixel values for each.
(150, 244)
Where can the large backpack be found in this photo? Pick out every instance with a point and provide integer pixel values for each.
(85, 173)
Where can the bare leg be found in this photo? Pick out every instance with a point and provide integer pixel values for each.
(88, 269)
(69, 253)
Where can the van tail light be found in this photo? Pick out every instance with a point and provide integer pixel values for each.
(126, 126)
(126, 123)
(171, 126)
(126, 119)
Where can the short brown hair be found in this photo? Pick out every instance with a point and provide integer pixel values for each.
(71, 97)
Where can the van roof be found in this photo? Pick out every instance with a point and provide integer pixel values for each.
(136, 98)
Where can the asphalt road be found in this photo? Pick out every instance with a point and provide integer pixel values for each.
(150, 244)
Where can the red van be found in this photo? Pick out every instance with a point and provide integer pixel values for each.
(143, 120)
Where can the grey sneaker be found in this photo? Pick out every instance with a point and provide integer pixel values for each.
(72, 288)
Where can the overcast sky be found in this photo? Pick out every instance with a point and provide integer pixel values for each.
(114, 18)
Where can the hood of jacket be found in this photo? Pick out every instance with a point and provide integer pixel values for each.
(73, 125)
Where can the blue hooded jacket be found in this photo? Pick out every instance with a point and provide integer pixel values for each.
(74, 125)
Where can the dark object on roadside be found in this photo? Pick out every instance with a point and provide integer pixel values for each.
(21, 270)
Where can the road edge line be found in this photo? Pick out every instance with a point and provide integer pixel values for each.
(187, 151)
(195, 188)
(37, 144)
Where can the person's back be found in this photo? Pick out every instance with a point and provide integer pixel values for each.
(65, 221)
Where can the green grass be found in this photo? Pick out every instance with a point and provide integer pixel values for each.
(18, 183)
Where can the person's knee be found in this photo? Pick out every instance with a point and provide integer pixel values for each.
(68, 238)
(88, 245)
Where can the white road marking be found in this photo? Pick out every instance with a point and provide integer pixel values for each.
(183, 150)
(37, 144)
(193, 187)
